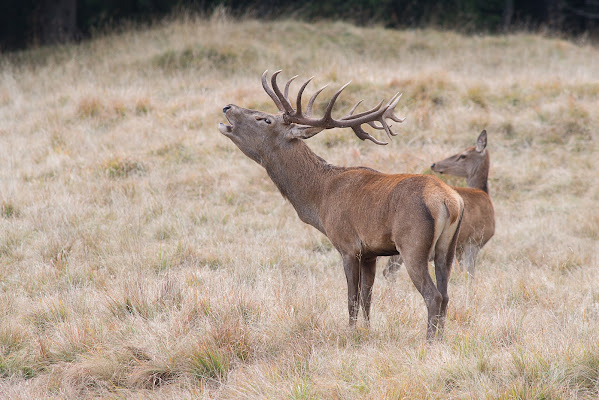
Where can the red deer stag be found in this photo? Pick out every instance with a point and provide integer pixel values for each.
(363, 212)
(478, 224)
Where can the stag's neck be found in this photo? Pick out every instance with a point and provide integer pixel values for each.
(301, 176)
(479, 179)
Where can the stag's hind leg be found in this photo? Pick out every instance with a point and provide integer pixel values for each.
(445, 250)
(417, 267)
(415, 256)
(415, 246)
(442, 273)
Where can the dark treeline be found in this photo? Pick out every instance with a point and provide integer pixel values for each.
(38, 22)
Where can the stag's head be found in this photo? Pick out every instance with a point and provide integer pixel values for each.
(255, 132)
(467, 162)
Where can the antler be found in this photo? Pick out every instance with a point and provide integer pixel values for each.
(351, 120)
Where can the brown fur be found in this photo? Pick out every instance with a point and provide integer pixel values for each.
(478, 225)
(363, 212)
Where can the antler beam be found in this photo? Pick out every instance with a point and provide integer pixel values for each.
(354, 121)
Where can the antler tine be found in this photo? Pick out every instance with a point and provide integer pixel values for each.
(377, 114)
(375, 126)
(312, 99)
(389, 111)
(272, 94)
(394, 100)
(287, 87)
(363, 135)
(376, 117)
(329, 109)
(284, 102)
(373, 109)
(353, 109)
(387, 129)
(388, 114)
(298, 105)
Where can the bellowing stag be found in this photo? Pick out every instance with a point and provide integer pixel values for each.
(363, 212)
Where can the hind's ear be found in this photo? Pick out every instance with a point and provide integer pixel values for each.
(481, 142)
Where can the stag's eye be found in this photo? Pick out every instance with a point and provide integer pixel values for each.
(461, 157)
(267, 120)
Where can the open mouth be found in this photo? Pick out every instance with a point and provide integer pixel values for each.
(224, 128)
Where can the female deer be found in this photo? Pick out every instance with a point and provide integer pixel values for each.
(478, 225)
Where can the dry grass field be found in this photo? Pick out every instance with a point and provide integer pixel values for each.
(142, 255)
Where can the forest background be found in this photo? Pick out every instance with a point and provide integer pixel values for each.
(33, 22)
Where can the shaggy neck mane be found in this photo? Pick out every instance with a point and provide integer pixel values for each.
(301, 176)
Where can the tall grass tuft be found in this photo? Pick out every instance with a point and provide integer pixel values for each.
(208, 361)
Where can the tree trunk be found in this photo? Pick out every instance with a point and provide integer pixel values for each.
(55, 21)
(508, 12)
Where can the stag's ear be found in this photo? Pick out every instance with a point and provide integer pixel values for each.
(481, 142)
(297, 131)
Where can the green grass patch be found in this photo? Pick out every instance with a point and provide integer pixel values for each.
(208, 361)
(120, 167)
(8, 209)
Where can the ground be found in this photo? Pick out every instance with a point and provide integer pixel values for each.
(143, 255)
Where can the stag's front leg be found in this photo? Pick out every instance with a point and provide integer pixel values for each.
(351, 265)
(367, 274)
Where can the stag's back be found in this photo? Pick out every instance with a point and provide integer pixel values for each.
(380, 209)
